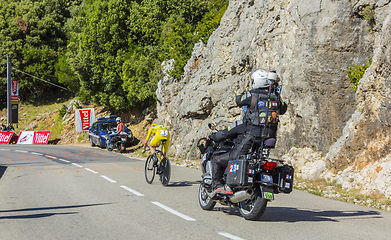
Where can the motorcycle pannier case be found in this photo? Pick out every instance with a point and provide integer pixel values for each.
(286, 179)
(237, 173)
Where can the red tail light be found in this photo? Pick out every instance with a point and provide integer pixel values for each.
(269, 165)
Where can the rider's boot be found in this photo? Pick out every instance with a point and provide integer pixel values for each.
(225, 189)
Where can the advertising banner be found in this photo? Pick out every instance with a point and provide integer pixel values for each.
(5, 137)
(41, 137)
(25, 137)
(14, 100)
(34, 137)
(15, 90)
(84, 118)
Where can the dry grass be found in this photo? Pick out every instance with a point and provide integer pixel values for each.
(332, 190)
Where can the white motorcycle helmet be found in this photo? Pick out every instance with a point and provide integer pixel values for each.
(259, 78)
(118, 119)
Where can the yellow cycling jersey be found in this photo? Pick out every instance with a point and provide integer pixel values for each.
(159, 133)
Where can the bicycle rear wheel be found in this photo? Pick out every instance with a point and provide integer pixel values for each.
(150, 170)
(165, 171)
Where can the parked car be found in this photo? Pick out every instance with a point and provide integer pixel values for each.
(99, 131)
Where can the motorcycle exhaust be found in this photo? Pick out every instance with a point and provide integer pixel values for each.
(242, 195)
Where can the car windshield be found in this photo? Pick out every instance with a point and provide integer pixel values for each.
(108, 125)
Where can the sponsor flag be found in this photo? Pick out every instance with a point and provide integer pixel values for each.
(34, 137)
(15, 90)
(5, 137)
(84, 118)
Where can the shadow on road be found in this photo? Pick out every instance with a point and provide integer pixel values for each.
(42, 215)
(2, 170)
(287, 214)
(39, 215)
(52, 208)
(183, 184)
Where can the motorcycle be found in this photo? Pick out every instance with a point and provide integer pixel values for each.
(121, 140)
(254, 178)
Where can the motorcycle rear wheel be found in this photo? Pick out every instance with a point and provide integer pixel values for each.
(122, 148)
(150, 170)
(206, 203)
(165, 171)
(254, 207)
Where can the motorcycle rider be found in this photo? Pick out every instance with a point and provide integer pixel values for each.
(253, 129)
(158, 132)
(120, 127)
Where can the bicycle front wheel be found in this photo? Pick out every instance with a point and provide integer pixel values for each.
(165, 171)
(150, 170)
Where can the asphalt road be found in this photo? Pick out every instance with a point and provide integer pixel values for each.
(67, 192)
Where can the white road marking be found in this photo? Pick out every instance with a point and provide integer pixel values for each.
(5, 149)
(36, 153)
(230, 236)
(133, 191)
(187, 218)
(77, 165)
(108, 179)
(50, 157)
(22, 151)
(64, 160)
(90, 170)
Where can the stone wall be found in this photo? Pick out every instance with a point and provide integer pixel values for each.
(310, 43)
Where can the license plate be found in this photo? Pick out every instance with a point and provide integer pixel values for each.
(268, 195)
(266, 178)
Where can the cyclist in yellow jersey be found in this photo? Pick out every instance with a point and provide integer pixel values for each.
(158, 132)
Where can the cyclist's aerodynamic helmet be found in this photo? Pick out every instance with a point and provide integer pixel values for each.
(156, 122)
(259, 78)
(118, 119)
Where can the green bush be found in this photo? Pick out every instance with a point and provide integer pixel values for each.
(62, 111)
(356, 72)
(369, 14)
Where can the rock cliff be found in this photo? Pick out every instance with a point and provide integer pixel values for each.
(310, 43)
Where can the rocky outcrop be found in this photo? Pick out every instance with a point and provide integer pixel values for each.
(310, 43)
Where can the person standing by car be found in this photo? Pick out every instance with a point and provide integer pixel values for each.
(158, 132)
(2, 127)
(10, 127)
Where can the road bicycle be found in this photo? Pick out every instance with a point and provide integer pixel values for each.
(162, 168)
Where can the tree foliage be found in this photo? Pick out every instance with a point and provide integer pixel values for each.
(109, 51)
(32, 34)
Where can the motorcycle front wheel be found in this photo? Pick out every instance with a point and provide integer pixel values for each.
(254, 207)
(205, 201)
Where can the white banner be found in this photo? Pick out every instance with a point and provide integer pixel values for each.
(34, 137)
(25, 137)
(84, 119)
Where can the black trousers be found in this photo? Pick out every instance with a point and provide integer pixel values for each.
(220, 163)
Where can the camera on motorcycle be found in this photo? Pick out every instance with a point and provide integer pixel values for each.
(211, 126)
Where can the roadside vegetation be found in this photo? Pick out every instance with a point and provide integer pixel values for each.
(356, 72)
(109, 52)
